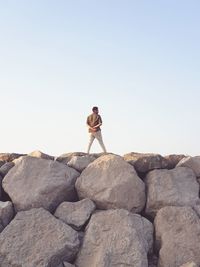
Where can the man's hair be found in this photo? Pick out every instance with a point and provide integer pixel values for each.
(94, 108)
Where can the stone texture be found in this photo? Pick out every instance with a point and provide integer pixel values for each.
(176, 187)
(65, 158)
(6, 168)
(6, 213)
(9, 156)
(76, 214)
(177, 236)
(192, 163)
(189, 264)
(41, 155)
(145, 162)
(37, 238)
(112, 183)
(2, 163)
(67, 264)
(173, 160)
(116, 238)
(80, 162)
(35, 182)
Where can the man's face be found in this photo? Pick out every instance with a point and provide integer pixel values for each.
(96, 111)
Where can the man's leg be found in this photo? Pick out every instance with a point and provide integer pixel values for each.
(90, 142)
(98, 136)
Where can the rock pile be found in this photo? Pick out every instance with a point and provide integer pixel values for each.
(99, 210)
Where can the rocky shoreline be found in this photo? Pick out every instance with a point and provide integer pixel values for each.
(99, 210)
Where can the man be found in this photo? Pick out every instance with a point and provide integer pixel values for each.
(94, 122)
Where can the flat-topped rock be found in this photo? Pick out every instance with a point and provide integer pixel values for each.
(35, 182)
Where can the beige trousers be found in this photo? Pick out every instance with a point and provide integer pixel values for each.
(98, 136)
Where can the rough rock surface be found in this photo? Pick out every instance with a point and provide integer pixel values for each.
(6, 168)
(178, 235)
(39, 154)
(37, 238)
(144, 162)
(9, 156)
(173, 160)
(35, 182)
(189, 264)
(112, 183)
(176, 187)
(116, 238)
(6, 213)
(65, 158)
(80, 162)
(76, 214)
(192, 163)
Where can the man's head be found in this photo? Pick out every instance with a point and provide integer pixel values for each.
(95, 110)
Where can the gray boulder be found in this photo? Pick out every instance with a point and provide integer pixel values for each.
(35, 182)
(6, 168)
(116, 238)
(37, 238)
(111, 182)
(76, 214)
(177, 236)
(145, 162)
(6, 213)
(192, 163)
(80, 162)
(176, 187)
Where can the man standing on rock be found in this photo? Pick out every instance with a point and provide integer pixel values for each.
(94, 122)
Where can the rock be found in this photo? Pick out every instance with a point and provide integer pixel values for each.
(144, 162)
(9, 156)
(37, 238)
(173, 160)
(6, 168)
(80, 162)
(41, 155)
(176, 187)
(189, 264)
(35, 182)
(111, 182)
(6, 213)
(192, 163)
(67, 264)
(116, 238)
(65, 158)
(177, 236)
(2, 163)
(76, 214)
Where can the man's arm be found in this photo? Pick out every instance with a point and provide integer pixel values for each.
(99, 124)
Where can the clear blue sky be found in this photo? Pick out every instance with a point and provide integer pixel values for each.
(139, 61)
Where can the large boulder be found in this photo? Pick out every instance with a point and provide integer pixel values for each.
(80, 162)
(145, 162)
(112, 183)
(6, 213)
(177, 236)
(76, 214)
(176, 187)
(41, 155)
(35, 182)
(192, 163)
(37, 238)
(116, 238)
